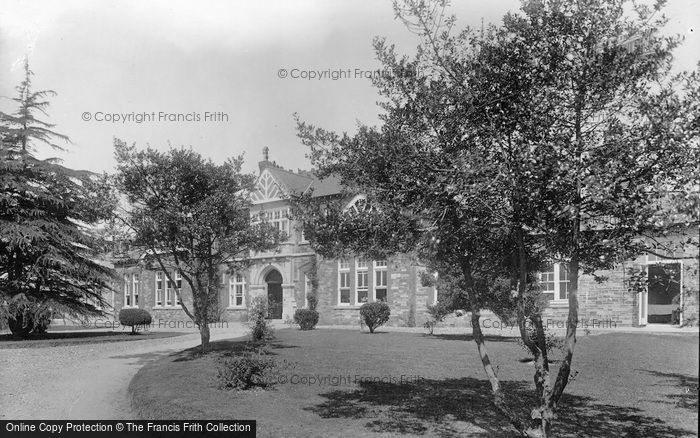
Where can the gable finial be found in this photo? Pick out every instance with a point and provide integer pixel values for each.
(266, 153)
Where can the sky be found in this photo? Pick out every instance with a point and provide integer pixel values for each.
(232, 72)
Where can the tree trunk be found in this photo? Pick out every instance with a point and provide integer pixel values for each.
(19, 326)
(570, 341)
(498, 396)
(204, 335)
(542, 414)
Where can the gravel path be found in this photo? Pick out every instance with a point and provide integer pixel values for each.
(82, 382)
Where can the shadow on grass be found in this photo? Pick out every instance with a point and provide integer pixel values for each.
(686, 388)
(470, 338)
(230, 347)
(453, 406)
(140, 359)
(60, 335)
(65, 338)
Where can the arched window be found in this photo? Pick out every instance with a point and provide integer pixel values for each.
(358, 204)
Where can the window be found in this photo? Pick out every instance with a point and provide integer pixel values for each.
(280, 220)
(343, 282)
(303, 235)
(236, 290)
(135, 289)
(165, 289)
(554, 282)
(131, 290)
(563, 281)
(159, 289)
(307, 290)
(178, 285)
(169, 292)
(358, 204)
(362, 285)
(127, 291)
(380, 280)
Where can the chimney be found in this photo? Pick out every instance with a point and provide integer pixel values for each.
(266, 159)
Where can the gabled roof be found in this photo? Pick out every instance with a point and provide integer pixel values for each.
(276, 183)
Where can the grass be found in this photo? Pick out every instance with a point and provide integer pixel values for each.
(62, 338)
(628, 385)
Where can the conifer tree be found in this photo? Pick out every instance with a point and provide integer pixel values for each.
(48, 245)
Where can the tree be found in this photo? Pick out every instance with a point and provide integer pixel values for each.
(593, 140)
(48, 245)
(191, 215)
(552, 138)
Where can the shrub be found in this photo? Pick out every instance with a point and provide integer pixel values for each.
(374, 314)
(134, 318)
(247, 371)
(306, 318)
(437, 314)
(260, 329)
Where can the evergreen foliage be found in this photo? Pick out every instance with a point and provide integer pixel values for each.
(49, 249)
(190, 215)
(557, 137)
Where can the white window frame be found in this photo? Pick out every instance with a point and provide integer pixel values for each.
(135, 287)
(378, 270)
(557, 283)
(160, 277)
(128, 302)
(361, 271)
(235, 280)
(302, 237)
(168, 300)
(344, 272)
(307, 290)
(177, 299)
(279, 218)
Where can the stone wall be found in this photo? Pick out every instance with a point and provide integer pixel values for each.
(601, 304)
(406, 297)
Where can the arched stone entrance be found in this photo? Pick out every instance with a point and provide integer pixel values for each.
(274, 294)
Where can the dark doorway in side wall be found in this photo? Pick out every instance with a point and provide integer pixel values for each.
(664, 293)
(274, 294)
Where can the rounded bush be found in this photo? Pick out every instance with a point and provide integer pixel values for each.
(375, 314)
(306, 318)
(134, 318)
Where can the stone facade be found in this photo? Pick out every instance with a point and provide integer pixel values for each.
(293, 271)
(406, 297)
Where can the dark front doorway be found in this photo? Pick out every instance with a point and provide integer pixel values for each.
(274, 294)
(664, 293)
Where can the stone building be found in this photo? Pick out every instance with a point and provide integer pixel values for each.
(288, 275)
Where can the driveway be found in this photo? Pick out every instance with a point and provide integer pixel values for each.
(83, 382)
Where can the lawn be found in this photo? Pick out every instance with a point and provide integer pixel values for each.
(63, 337)
(347, 383)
